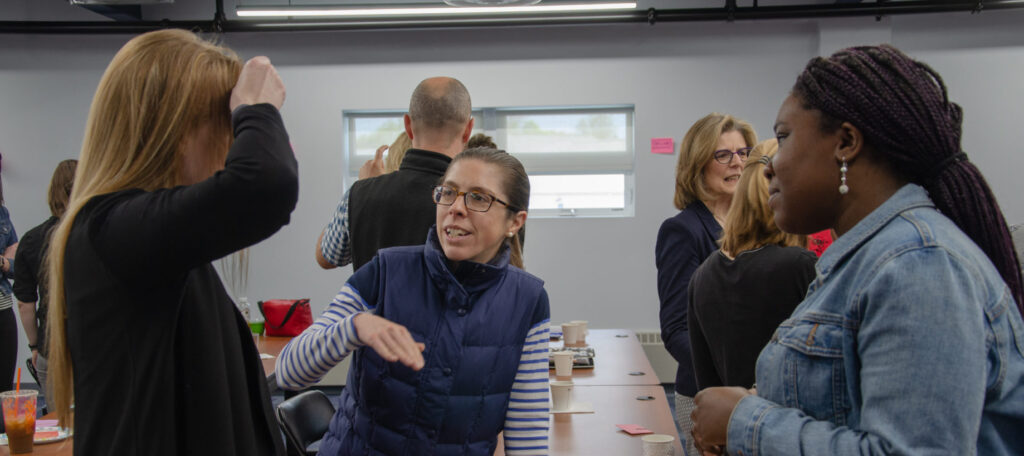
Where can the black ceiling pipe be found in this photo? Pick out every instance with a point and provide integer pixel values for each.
(663, 15)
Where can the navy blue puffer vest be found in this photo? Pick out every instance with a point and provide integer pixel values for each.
(473, 320)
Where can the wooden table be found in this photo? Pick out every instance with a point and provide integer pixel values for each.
(269, 345)
(595, 433)
(617, 353)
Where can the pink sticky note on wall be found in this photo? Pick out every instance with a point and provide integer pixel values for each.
(661, 146)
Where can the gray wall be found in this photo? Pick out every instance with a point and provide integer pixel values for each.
(598, 269)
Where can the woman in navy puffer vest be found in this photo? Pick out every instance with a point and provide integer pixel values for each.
(450, 340)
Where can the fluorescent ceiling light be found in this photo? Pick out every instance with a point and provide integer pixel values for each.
(429, 11)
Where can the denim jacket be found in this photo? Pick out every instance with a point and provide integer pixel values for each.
(8, 237)
(908, 342)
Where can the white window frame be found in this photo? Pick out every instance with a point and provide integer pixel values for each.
(491, 121)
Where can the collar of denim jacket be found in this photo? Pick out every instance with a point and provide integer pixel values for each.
(908, 197)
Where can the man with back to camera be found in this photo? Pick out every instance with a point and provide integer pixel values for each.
(396, 208)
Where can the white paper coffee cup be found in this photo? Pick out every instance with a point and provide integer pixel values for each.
(658, 445)
(563, 363)
(583, 330)
(570, 333)
(561, 395)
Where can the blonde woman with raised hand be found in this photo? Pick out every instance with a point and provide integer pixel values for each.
(185, 160)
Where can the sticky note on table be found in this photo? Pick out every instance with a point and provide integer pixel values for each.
(634, 429)
(661, 146)
(46, 423)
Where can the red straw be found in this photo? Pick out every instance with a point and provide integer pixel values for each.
(17, 389)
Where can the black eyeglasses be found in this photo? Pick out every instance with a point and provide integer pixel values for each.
(724, 156)
(475, 201)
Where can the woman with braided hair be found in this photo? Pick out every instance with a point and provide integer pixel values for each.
(910, 339)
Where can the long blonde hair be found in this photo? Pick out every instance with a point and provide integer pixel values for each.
(751, 223)
(160, 88)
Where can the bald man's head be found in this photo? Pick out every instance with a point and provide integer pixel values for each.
(440, 105)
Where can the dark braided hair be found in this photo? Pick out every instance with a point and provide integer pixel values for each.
(901, 107)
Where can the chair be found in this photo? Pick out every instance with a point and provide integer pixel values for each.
(304, 420)
(35, 376)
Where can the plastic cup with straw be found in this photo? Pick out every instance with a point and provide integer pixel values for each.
(19, 408)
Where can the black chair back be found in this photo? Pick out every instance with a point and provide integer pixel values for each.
(304, 420)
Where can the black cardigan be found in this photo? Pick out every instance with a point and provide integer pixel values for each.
(164, 363)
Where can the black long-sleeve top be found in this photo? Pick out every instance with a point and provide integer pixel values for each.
(30, 278)
(163, 362)
(684, 241)
(735, 306)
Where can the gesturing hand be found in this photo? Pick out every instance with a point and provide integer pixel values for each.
(390, 340)
(375, 167)
(258, 83)
(711, 417)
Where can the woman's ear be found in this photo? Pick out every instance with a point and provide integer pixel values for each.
(850, 144)
(516, 222)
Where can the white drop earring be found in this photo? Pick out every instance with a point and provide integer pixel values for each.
(510, 234)
(843, 188)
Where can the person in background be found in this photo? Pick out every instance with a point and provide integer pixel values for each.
(389, 164)
(449, 340)
(741, 293)
(819, 242)
(383, 211)
(711, 159)
(143, 337)
(481, 140)
(8, 324)
(910, 339)
(30, 279)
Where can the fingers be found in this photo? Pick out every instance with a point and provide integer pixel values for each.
(366, 171)
(390, 340)
(258, 83)
(403, 347)
(380, 153)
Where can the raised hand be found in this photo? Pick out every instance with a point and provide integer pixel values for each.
(258, 83)
(375, 167)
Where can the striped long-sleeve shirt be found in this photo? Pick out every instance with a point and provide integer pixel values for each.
(332, 337)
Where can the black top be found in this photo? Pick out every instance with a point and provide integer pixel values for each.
(684, 241)
(164, 364)
(30, 278)
(396, 208)
(735, 306)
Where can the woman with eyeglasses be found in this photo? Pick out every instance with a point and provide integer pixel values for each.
(711, 158)
(449, 340)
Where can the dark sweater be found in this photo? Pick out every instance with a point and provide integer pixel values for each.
(735, 306)
(164, 364)
(395, 209)
(30, 278)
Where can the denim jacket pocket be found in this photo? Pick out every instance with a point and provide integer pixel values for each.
(815, 379)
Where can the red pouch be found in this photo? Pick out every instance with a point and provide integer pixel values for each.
(286, 317)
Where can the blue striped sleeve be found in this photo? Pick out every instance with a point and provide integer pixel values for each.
(527, 419)
(310, 355)
(336, 245)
